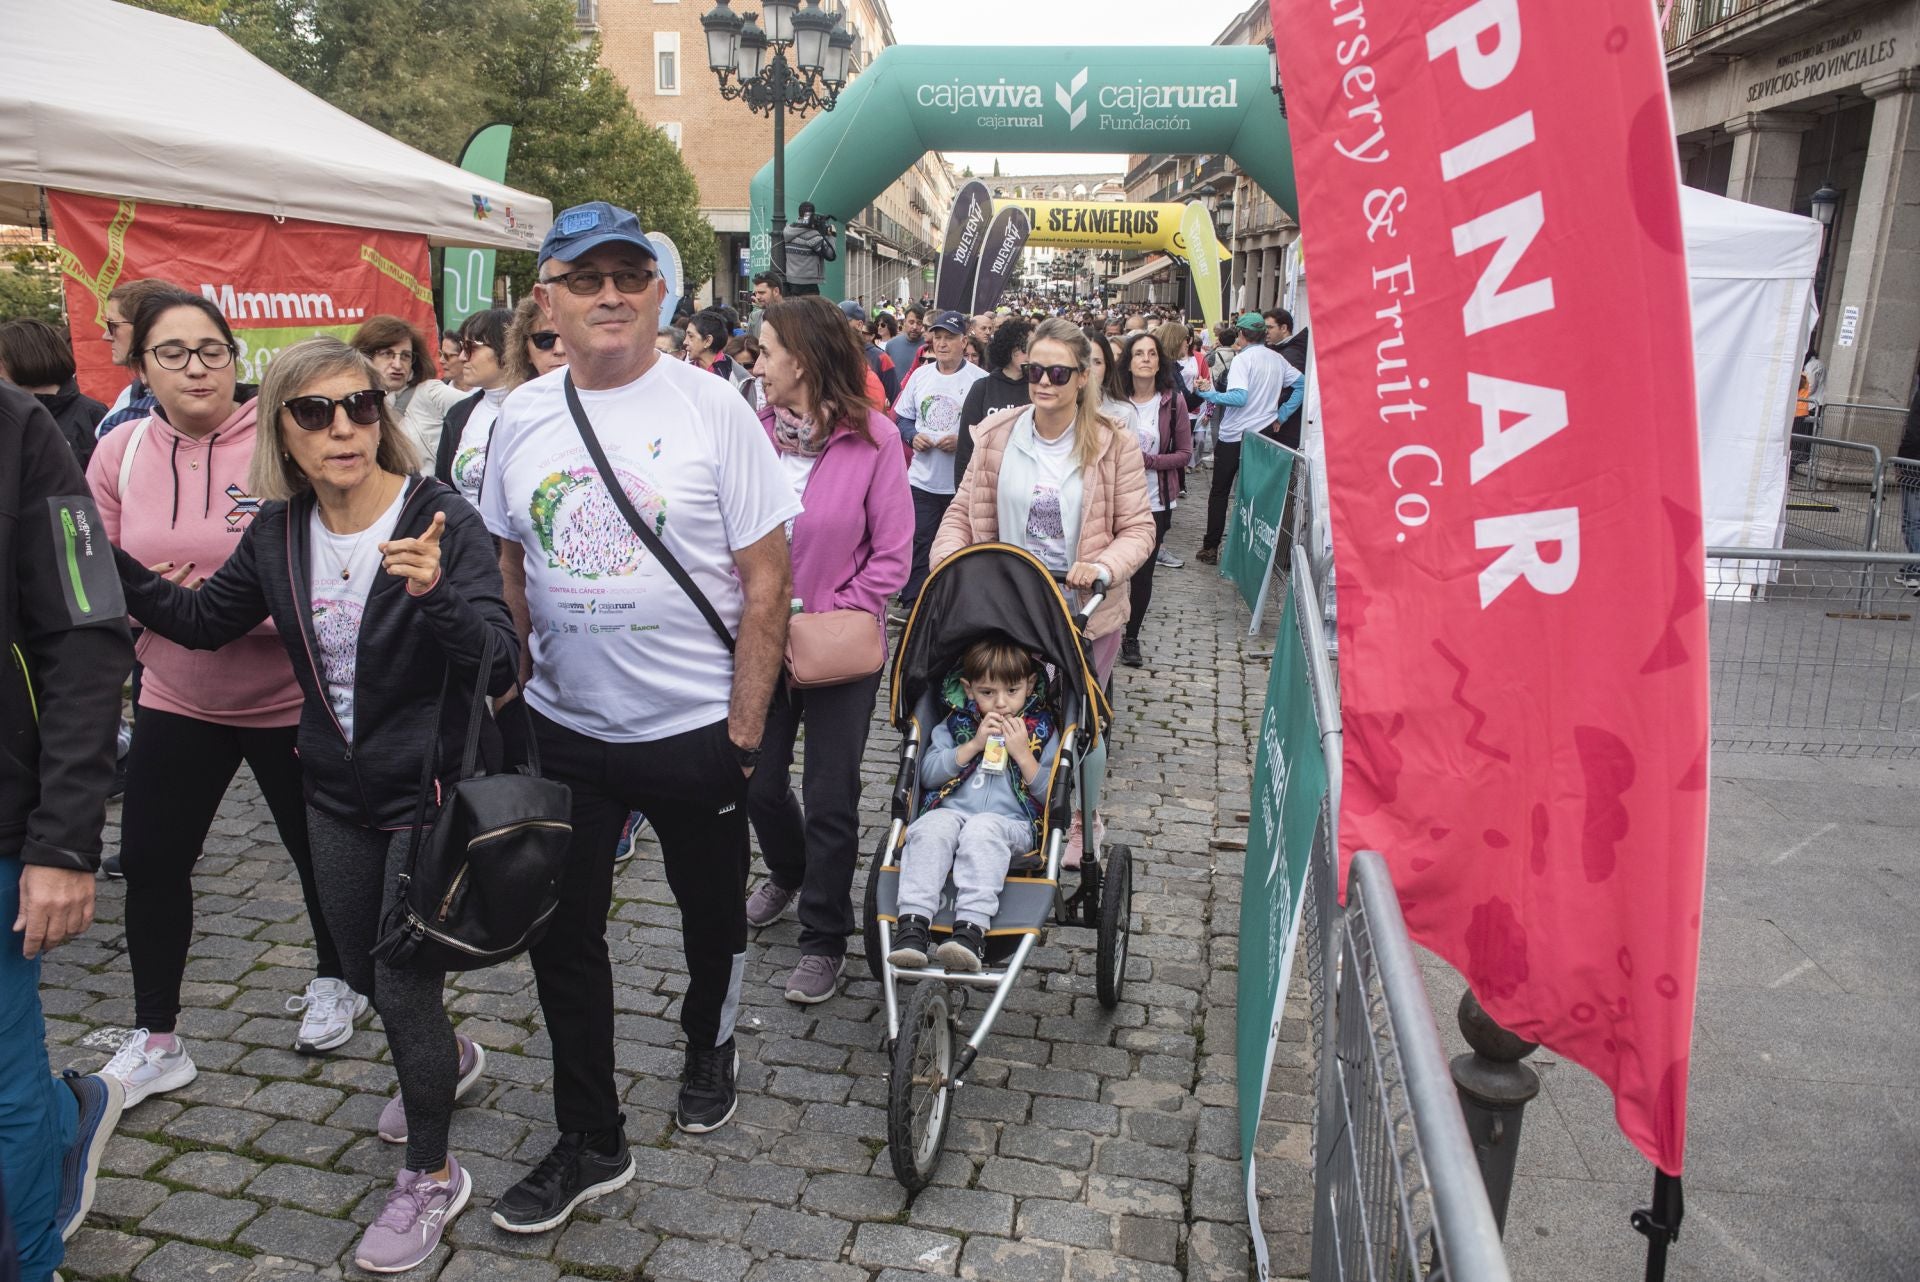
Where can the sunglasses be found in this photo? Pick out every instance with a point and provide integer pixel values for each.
(1058, 375)
(315, 413)
(587, 281)
(468, 346)
(544, 340)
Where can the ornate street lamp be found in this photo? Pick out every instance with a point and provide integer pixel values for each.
(753, 66)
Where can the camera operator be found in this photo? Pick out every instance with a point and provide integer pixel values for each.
(808, 244)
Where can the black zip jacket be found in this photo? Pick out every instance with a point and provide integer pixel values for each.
(78, 416)
(987, 396)
(451, 426)
(64, 647)
(406, 643)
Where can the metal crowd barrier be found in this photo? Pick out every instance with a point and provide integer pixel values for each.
(1398, 1195)
(1899, 527)
(1833, 493)
(1814, 651)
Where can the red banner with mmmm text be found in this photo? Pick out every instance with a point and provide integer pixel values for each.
(1501, 322)
(277, 280)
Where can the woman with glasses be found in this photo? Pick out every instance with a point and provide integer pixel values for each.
(173, 491)
(403, 360)
(460, 459)
(1144, 384)
(1066, 482)
(533, 346)
(351, 556)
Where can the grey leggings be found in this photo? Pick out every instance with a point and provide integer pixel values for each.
(357, 870)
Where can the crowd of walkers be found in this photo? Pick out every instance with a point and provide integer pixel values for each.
(317, 568)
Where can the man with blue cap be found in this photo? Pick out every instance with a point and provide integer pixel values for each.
(648, 664)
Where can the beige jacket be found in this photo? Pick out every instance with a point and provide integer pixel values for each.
(1116, 525)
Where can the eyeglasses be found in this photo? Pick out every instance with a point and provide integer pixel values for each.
(544, 339)
(587, 282)
(1058, 375)
(174, 356)
(315, 413)
(402, 354)
(113, 326)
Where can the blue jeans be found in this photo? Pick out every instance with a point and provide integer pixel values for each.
(38, 1115)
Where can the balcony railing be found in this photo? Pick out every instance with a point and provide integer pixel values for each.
(1690, 18)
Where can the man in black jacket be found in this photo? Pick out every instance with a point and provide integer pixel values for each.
(1282, 339)
(64, 651)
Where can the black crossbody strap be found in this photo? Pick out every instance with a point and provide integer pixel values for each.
(653, 542)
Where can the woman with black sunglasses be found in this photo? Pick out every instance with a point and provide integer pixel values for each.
(461, 457)
(350, 557)
(173, 491)
(534, 346)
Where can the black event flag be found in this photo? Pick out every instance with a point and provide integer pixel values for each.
(1005, 239)
(966, 236)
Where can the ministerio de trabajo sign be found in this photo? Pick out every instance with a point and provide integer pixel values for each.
(1121, 106)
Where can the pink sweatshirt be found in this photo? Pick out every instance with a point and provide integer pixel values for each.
(186, 501)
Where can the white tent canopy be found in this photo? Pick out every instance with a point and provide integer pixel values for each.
(1750, 271)
(78, 113)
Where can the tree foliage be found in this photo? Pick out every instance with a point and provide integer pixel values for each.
(30, 286)
(431, 72)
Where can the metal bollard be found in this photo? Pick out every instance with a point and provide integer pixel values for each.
(1494, 1088)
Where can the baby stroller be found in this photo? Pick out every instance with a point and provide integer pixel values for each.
(987, 588)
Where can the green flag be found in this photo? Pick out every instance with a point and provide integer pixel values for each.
(1259, 506)
(467, 274)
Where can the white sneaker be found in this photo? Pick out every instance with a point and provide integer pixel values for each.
(143, 1069)
(331, 1012)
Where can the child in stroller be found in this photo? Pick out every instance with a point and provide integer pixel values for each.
(984, 764)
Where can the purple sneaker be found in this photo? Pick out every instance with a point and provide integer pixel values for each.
(393, 1118)
(767, 902)
(417, 1213)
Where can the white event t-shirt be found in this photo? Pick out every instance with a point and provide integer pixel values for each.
(470, 455)
(1046, 533)
(1146, 425)
(620, 652)
(1266, 375)
(342, 568)
(931, 401)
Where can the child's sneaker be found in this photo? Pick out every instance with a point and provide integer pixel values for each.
(966, 951)
(416, 1214)
(912, 937)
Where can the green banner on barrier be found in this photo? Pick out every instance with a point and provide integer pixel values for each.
(1259, 503)
(1289, 786)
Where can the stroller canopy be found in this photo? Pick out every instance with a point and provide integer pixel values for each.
(986, 588)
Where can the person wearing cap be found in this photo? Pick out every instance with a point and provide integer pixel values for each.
(636, 699)
(886, 378)
(928, 413)
(807, 246)
(1257, 379)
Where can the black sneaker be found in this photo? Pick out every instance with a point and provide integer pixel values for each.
(912, 940)
(570, 1174)
(707, 1097)
(1130, 652)
(966, 951)
(111, 865)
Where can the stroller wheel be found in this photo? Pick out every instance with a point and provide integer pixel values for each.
(920, 1087)
(1116, 917)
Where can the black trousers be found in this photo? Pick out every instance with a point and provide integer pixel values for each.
(797, 291)
(690, 788)
(1140, 589)
(928, 511)
(1226, 466)
(178, 769)
(816, 850)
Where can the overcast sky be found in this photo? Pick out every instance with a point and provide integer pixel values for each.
(1058, 22)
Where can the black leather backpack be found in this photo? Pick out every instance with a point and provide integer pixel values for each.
(481, 885)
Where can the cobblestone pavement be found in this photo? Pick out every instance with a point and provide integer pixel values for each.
(1087, 1145)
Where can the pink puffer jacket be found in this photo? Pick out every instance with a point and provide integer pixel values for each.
(1116, 525)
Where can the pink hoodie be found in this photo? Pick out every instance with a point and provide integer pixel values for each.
(186, 501)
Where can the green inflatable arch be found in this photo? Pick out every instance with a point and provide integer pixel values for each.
(1207, 100)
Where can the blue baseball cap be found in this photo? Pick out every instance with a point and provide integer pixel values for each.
(952, 322)
(853, 310)
(587, 227)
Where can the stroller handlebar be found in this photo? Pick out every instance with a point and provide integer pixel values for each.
(1082, 608)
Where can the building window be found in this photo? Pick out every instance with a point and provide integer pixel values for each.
(586, 15)
(666, 62)
(671, 129)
